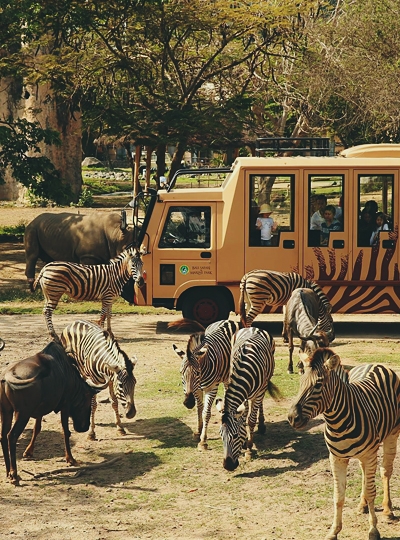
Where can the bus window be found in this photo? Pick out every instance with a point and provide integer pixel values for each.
(325, 208)
(277, 192)
(375, 195)
(187, 227)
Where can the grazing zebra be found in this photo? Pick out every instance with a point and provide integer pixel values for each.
(301, 320)
(88, 282)
(102, 363)
(360, 414)
(205, 365)
(252, 368)
(269, 288)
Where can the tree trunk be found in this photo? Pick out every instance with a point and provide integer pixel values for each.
(44, 107)
(176, 162)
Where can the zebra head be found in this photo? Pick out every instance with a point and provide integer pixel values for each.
(316, 388)
(190, 369)
(124, 383)
(136, 264)
(233, 433)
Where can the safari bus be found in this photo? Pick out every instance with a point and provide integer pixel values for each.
(201, 240)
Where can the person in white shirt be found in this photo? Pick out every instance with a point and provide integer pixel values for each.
(266, 224)
(318, 217)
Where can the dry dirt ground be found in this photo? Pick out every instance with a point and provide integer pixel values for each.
(161, 486)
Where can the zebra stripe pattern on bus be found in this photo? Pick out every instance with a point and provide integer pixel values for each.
(260, 288)
(252, 368)
(102, 282)
(206, 364)
(102, 363)
(360, 413)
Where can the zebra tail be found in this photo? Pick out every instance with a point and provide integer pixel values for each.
(274, 391)
(242, 306)
(186, 324)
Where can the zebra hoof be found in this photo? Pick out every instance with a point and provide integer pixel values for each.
(202, 446)
(196, 437)
(261, 429)
(248, 455)
(390, 517)
(121, 431)
(290, 371)
(92, 437)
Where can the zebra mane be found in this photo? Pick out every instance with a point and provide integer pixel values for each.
(320, 356)
(194, 341)
(114, 343)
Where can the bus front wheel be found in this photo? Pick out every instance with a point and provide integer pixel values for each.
(205, 306)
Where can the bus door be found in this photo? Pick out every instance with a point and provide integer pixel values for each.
(326, 230)
(185, 251)
(374, 259)
(272, 236)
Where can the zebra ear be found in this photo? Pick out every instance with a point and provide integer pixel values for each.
(133, 360)
(201, 353)
(219, 405)
(178, 351)
(240, 410)
(333, 362)
(143, 250)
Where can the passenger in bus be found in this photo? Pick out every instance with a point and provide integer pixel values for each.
(318, 217)
(380, 225)
(366, 227)
(329, 224)
(266, 224)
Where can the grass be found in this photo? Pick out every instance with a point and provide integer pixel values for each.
(19, 302)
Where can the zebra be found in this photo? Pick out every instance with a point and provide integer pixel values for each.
(269, 288)
(359, 414)
(102, 363)
(206, 364)
(301, 320)
(252, 368)
(88, 282)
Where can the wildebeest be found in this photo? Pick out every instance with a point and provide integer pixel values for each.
(301, 321)
(31, 388)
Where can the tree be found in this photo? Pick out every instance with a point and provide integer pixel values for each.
(176, 71)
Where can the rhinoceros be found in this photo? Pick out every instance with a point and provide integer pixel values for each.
(85, 239)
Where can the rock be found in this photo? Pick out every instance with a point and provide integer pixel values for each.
(92, 162)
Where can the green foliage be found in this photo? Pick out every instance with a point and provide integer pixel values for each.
(13, 230)
(20, 151)
(85, 198)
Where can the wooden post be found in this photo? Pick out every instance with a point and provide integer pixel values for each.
(136, 185)
(149, 150)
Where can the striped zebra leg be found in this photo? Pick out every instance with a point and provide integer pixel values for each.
(198, 397)
(386, 470)
(48, 315)
(339, 472)
(92, 434)
(208, 403)
(114, 404)
(368, 465)
(261, 420)
(252, 421)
